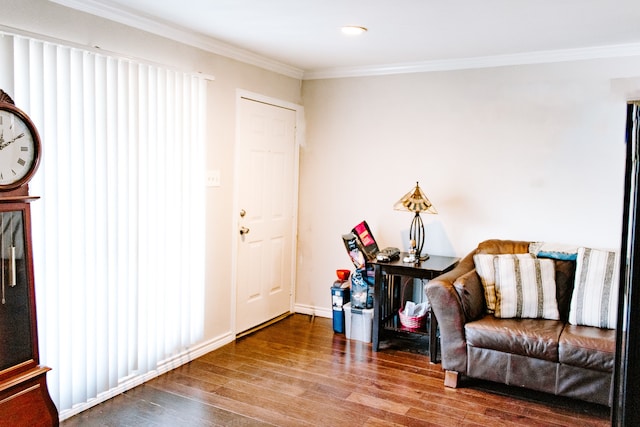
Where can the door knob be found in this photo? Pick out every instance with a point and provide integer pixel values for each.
(244, 230)
(242, 213)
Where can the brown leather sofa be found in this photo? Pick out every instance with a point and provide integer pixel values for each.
(552, 356)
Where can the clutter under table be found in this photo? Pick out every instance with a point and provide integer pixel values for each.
(390, 282)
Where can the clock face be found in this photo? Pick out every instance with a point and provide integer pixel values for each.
(18, 149)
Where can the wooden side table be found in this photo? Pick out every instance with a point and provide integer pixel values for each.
(387, 298)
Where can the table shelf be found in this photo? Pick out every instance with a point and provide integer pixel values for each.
(390, 286)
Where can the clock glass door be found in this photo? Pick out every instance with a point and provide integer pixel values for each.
(16, 342)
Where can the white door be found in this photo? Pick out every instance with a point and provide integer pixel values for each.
(265, 217)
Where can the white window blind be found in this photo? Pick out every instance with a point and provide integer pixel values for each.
(118, 231)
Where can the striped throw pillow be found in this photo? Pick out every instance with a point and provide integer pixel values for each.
(526, 288)
(486, 271)
(594, 301)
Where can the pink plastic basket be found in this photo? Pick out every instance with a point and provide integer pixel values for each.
(412, 322)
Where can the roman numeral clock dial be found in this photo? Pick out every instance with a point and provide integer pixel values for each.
(19, 147)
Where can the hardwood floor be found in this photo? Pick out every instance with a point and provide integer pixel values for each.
(297, 372)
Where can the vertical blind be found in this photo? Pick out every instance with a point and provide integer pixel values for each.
(118, 231)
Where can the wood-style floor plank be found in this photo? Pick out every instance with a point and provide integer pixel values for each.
(298, 372)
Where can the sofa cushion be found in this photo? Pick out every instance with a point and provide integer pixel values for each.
(471, 294)
(525, 287)
(595, 294)
(486, 270)
(588, 347)
(536, 338)
(565, 278)
(497, 246)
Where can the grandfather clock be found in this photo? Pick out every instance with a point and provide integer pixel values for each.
(24, 397)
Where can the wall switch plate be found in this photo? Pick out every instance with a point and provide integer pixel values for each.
(213, 178)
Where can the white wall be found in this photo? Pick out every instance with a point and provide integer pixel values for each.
(527, 152)
(530, 152)
(42, 17)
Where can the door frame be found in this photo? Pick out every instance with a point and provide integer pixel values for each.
(299, 141)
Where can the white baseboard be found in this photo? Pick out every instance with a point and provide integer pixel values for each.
(313, 311)
(164, 366)
(167, 365)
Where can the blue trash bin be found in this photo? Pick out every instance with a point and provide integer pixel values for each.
(339, 297)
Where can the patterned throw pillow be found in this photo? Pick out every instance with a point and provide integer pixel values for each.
(526, 288)
(486, 271)
(595, 295)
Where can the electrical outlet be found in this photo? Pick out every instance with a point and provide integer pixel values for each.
(213, 178)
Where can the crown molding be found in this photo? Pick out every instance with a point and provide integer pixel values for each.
(121, 15)
(540, 57)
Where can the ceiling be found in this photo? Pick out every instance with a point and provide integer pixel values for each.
(302, 38)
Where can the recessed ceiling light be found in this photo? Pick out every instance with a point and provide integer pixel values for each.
(353, 30)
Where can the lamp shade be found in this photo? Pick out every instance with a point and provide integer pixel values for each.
(415, 201)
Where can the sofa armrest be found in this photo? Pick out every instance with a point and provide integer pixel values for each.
(447, 307)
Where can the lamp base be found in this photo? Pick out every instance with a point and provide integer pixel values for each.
(416, 234)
